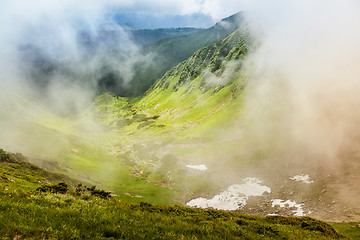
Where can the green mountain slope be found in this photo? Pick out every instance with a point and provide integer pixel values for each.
(190, 94)
(16, 173)
(182, 114)
(170, 52)
(29, 213)
(127, 152)
(139, 149)
(194, 115)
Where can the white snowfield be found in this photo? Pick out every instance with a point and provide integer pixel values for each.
(234, 197)
(302, 178)
(201, 167)
(289, 204)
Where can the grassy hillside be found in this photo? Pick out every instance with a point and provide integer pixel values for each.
(196, 92)
(139, 149)
(172, 51)
(30, 209)
(182, 118)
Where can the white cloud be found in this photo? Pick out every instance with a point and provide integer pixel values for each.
(217, 9)
(305, 79)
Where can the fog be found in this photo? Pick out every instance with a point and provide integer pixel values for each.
(300, 104)
(55, 58)
(303, 93)
(64, 52)
(300, 108)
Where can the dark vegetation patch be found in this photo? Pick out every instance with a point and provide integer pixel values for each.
(61, 187)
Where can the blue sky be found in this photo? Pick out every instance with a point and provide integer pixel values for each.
(170, 13)
(150, 21)
(144, 13)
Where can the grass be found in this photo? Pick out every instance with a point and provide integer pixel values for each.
(57, 212)
(351, 229)
(135, 148)
(66, 217)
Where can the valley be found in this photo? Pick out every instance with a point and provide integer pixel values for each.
(186, 148)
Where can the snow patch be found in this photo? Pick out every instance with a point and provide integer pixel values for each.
(201, 167)
(234, 197)
(299, 211)
(302, 178)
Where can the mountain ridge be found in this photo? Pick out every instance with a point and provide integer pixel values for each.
(172, 51)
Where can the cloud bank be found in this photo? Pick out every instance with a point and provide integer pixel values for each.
(304, 91)
(65, 50)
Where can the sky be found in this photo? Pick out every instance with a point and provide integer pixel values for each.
(149, 14)
(171, 13)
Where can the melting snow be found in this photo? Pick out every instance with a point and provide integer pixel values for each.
(234, 197)
(201, 167)
(290, 204)
(303, 178)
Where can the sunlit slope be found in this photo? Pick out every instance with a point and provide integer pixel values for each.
(169, 52)
(125, 145)
(77, 146)
(203, 91)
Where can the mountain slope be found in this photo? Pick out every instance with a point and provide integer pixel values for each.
(192, 105)
(148, 36)
(194, 116)
(170, 52)
(193, 92)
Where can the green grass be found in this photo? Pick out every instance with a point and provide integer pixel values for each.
(67, 217)
(28, 210)
(351, 229)
(137, 148)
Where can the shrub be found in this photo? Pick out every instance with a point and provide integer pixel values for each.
(98, 192)
(61, 187)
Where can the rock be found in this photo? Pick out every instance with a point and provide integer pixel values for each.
(17, 237)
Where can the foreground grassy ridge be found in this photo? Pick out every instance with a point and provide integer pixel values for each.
(27, 213)
(348, 229)
(18, 175)
(69, 217)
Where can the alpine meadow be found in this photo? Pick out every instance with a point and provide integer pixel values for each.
(179, 120)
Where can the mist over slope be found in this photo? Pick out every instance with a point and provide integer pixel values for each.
(296, 118)
(147, 36)
(170, 52)
(66, 210)
(274, 102)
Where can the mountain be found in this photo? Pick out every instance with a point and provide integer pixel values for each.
(115, 59)
(196, 90)
(147, 36)
(170, 52)
(147, 20)
(195, 116)
(183, 140)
